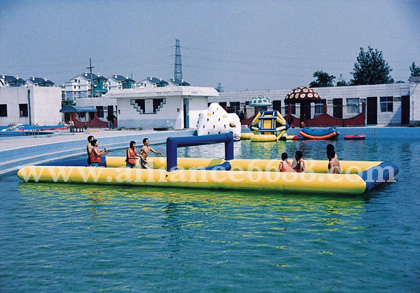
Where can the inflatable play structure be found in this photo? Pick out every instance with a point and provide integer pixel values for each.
(355, 137)
(268, 126)
(215, 120)
(321, 134)
(27, 130)
(228, 173)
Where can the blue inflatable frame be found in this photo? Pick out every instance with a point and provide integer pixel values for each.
(173, 143)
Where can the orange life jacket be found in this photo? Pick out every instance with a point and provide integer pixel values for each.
(94, 158)
(286, 167)
(131, 153)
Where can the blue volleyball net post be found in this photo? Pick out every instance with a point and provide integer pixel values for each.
(173, 143)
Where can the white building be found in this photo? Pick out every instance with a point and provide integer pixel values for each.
(161, 107)
(386, 104)
(30, 105)
(152, 82)
(119, 82)
(80, 87)
(104, 106)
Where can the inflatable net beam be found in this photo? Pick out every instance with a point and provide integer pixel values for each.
(173, 143)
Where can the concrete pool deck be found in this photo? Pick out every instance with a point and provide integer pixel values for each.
(21, 151)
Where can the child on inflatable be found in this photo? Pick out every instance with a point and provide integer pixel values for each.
(298, 164)
(285, 165)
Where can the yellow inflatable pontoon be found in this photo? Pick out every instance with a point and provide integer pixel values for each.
(237, 174)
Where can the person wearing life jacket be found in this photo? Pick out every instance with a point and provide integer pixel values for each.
(285, 165)
(95, 154)
(298, 164)
(131, 155)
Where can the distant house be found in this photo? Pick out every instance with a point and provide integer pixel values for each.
(38, 81)
(178, 82)
(80, 86)
(120, 82)
(12, 81)
(151, 82)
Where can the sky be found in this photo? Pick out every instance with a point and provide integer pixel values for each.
(244, 45)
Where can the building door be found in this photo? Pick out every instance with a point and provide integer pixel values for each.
(110, 109)
(405, 109)
(372, 110)
(338, 108)
(277, 106)
(186, 113)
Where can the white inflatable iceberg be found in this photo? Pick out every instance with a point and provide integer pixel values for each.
(216, 120)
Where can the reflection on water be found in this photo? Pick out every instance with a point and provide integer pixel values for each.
(287, 208)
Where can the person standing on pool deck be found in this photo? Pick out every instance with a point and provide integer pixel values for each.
(144, 153)
(298, 164)
(89, 148)
(131, 155)
(95, 154)
(285, 165)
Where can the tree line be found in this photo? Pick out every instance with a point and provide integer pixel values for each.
(370, 68)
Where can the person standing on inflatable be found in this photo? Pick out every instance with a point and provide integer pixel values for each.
(285, 165)
(131, 155)
(89, 148)
(298, 164)
(144, 153)
(95, 154)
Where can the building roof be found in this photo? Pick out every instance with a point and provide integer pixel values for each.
(180, 82)
(121, 78)
(154, 80)
(159, 92)
(11, 79)
(40, 80)
(118, 77)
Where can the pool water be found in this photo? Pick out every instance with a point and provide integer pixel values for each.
(63, 237)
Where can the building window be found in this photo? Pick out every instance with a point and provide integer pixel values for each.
(3, 110)
(157, 104)
(319, 107)
(23, 110)
(353, 105)
(234, 107)
(100, 111)
(139, 104)
(222, 104)
(387, 104)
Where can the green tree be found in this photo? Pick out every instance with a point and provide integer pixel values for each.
(371, 68)
(342, 83)
(415, 70)
(323, 79)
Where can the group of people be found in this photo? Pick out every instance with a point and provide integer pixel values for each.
(298, 164)
(94, 154)
(132, 155)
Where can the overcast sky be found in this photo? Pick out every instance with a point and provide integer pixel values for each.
(241, 44)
